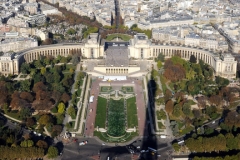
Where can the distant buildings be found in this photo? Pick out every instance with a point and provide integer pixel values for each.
(140, 47)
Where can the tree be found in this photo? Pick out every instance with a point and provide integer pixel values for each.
(177, 110)
(25, 112)
(196, 113)
(45, 119)
(161, 57)
(10, 139)
(169, 107)
(42, 144)
(193, 59)
(75, 59)
(65, 97)
(133, 26)
(221, 81)
(174, 72)
(159, 64)
(39, 86)
(186, 109)
(4, 93)
(168, 95)
(21, 152)
(215, 100)
(25, 68)
(60, 118)
(52, 152)
(56, 130)
(61, 108)
(72, 112)
(27, 96)
(176, 147)
(25, 85)
(232, 142)
(27, 143)
(71, 31)
(43, 70)
(30, 122)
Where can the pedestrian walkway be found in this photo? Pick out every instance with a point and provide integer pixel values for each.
(14, 119)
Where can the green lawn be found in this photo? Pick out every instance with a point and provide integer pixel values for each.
(121, 36)
(161, 115)
(101, 112)
(127, 89)
(14, 115)
(105, 89)
(116, 118)
(132, 119)
(160, 125)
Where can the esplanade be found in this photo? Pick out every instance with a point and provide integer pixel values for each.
(138, 48)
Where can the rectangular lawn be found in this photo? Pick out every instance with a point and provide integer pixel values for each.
(116, 118)
(132, 119)
(101, 112)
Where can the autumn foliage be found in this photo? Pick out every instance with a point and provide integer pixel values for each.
(174, 72)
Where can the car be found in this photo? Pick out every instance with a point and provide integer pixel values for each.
(213, 122)
(103, 144)
(83, 143)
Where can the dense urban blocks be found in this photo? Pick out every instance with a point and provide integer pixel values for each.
(116, 118)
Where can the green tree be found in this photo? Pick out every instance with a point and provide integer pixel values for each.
(232, 142)
(72, 112)
(45, 119)
(43, 70)
(10, 139)
(60, 118)
(25, 68)
(38, 63)
(190, 74)
(221, 81)
(52, 152)
(176, 147)
(161, 57)
(71, 31)
(57, 77)
(193, 59)
(186, 109)
(177, 110)
(25, 112)
(61, 108)
(25, 85)
(27, 143)
(159, 64)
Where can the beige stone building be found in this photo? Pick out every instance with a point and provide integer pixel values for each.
(119, 58)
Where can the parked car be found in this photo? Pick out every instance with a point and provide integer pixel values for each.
(83, 143)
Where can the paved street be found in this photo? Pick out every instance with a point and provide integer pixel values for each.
(95, 149)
